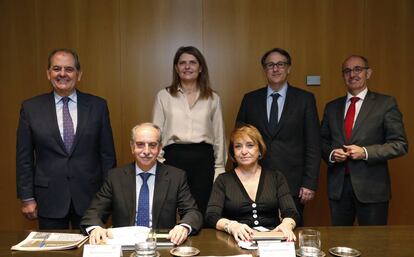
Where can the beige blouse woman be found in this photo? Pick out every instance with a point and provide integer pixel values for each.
(202, 122)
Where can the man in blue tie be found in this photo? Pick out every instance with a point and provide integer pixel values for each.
(144, 193)
(64, 147)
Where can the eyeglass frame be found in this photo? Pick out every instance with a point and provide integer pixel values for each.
(279, 65)
(356, 70)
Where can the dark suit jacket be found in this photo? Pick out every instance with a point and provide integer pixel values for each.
(49, 174)
(118, 197)
(379, 128)
(294, 149)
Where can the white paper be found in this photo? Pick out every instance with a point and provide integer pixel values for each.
(261, 229)
(127, 237)
(274, 248)
(247, 245)
(239, 255)
(102, 251)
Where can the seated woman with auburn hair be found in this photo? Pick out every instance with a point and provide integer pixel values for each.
(249, 196)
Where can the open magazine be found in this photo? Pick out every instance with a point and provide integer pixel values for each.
(46, 241)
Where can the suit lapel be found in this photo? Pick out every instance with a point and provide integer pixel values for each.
(262, 111)
(366, 108)
(340, 111)
(286, 109)
(83, 115)
(129, 191)
(162, 183)
(52, 120)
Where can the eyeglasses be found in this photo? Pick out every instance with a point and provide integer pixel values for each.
(279, 65)
(67, 69)
(356, 70)
(142, 145)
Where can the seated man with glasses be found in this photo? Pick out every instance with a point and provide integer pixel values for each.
(288, 121)
(144, 193)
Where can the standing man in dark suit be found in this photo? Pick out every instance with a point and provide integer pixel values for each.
(145, 193)
(64, 147)
(360, 133)
(287, 118)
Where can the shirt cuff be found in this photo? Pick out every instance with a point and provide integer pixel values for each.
(28, 199)
(89, 229)
(188, 227)
(366, 154)
(330, 157)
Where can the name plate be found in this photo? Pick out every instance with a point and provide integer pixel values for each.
(102, 251)
(274, 248)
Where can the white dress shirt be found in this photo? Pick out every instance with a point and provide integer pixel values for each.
(150, 182)
(280, 100)
(358, 104)
(73, 110)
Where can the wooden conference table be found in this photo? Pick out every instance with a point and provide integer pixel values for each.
(381, 241)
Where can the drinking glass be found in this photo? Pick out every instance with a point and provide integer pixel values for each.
(148, 248)
(310, 242)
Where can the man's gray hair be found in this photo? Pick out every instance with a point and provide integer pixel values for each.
(146, 124)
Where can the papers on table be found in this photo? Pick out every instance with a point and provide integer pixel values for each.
(239, 255)
(45, 241)
(127, 237)
(275, 248)
(102, 251)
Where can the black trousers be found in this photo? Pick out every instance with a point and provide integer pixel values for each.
(348, 207)
(197, 160)
(71, 218)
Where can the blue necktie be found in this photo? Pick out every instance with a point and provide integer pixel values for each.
(143, 202)
(274, 113)
(68, 130)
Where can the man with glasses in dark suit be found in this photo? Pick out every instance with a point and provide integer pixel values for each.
(288, 121)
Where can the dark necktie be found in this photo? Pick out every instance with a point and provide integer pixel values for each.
(349, 118)
(68, 131)
(143, 202)
(274, 113)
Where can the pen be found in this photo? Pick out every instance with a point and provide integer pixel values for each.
(43, 243)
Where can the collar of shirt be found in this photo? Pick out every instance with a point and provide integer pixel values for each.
(180, 89)
(361, 95)
(151, 187)
(282, 91)
(139, 171)
(73, 97)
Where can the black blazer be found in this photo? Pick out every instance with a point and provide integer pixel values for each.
(49, 174)
(117, 197)
(380, 129)
(295, 148)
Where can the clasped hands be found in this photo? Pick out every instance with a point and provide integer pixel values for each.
(242, 232)
(177, 235)
(353, 152)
